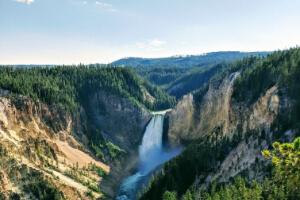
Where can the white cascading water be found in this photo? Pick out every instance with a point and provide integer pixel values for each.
(151, 154)
(150, 150)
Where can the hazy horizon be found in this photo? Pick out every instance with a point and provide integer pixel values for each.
(182, 55)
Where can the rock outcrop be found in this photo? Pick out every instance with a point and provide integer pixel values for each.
(190, 120)
(180, 121)
(119, 120)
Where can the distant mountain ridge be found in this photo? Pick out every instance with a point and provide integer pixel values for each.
(189, 59)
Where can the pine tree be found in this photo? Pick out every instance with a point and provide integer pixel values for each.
(168, 196)
(144, 189)
(150, 182)
(187, 196)
(139, 195)
(286, 161)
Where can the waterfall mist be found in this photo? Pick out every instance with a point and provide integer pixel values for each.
(151, 155)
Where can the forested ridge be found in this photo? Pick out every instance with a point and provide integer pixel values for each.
(177, 75)
(194, 80)
(71, 86)
(163, 75)
(183, 74)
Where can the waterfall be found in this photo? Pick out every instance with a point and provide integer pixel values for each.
(150, 150)
(151, 155)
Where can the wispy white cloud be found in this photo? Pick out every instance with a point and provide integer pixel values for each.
(25, 1)
(84, 2)
(113, 10)
(156, 42)
(151, 45)
(104, 4)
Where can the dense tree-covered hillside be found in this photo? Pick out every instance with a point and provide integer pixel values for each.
(283, 183)
(163, 75)
(199, 78)
(180, 75)
(194, 80)
(71, 86)
(226, 69)
(281, 68)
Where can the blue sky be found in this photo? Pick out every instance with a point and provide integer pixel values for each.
(89, 31)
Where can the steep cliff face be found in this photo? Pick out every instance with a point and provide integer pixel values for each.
(180, 121)
(259, 115)
(254, 124)
(191, 120)
(21, 114)
(30, 144)
(119, 120)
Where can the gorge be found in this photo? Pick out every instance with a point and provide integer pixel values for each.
(96, 135)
